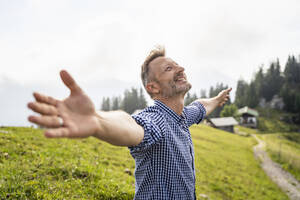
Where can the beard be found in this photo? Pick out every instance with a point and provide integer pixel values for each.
(174, 88)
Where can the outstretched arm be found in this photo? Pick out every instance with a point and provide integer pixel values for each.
(80, 118)
(118, 128)
(210, 104)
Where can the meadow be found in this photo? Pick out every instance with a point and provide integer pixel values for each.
(34, 167)
(282, 147)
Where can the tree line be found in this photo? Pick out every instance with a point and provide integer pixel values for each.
(266, 84)
(213, 91)
(132, 100)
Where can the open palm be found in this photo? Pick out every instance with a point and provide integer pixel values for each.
(77, 112)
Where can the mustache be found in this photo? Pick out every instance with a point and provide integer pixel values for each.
(179, 75)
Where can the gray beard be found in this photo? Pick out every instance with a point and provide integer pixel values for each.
(174, 90)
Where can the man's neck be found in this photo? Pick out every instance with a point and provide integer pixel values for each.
(175, 103)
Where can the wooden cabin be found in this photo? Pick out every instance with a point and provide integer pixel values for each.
(224, 123)
(248, 117)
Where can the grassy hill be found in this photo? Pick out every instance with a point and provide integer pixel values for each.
(283, 148)
(33, 167)
(272, 121)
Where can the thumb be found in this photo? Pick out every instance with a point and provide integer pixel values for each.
(69, 82)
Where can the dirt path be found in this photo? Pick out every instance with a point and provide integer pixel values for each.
(282, 178)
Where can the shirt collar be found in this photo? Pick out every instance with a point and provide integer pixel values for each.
(168, 110)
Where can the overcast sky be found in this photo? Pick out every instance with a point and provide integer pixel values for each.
(103, 43)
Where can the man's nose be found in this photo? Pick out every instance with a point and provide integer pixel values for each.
(180, 69)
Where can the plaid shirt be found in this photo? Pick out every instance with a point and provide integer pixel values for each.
(164, 160)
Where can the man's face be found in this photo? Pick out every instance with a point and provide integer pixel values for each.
(170, 77)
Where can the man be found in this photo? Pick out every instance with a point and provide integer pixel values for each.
(158, 138)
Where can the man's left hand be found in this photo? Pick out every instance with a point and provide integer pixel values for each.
(223, 96)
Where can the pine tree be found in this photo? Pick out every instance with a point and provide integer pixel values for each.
(252, 100)
(116, 103)
(291, 87)
(190, 98)
(105, 104)
(142, 100)
(291, 71)
(131, 101)
(241, 95)
(214, 92)
(259, 83)
(187, 99)
(203, 93)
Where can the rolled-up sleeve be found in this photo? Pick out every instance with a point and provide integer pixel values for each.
(195, 112)
(153, 130)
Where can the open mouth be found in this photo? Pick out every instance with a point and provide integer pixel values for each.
(180, 79)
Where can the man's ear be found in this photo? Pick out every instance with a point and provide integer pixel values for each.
(152, 88)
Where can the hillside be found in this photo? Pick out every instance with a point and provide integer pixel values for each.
(33, 167)
(283, 148)
(272, 120)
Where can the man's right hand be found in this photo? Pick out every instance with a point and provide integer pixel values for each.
(77, 112)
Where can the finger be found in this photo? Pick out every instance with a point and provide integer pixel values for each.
(57, 132)
(69, 82)
(42, 108)
(223, 102)
(228, 90)
(46, 121)
(45, 99)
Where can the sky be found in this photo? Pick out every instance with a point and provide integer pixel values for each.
(103, 44)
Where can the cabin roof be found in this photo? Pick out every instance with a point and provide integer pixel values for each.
(247, 110)
(223, 121)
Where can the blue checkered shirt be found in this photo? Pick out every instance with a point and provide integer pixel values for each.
(164, 160)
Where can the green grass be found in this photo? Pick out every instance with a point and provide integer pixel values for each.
(227, 169)
(33, 167)
(284, 148)
(270, 121)
(245, 130)
(40, 168)
(274, 125)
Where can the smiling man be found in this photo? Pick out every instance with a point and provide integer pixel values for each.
(158, 137)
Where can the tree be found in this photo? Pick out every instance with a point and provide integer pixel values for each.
(241, 93)
(130, 100)
(292, 71)
(190, 98)
(229, 110)
(252, 100)
(203, 93)
(187, 99)
(142, 103)
(105, 104)
(273, 81)
(214, 92)
(259, 82)
(116, 101)
(133, 100)
(291, 87)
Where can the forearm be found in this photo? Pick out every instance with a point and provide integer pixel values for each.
(118, 128)
(209, 104)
